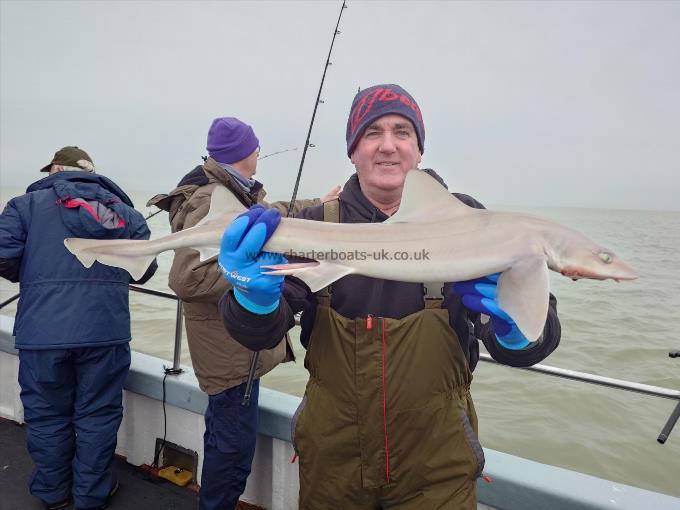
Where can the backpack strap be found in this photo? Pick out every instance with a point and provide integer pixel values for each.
(331, 214)
(331, 211)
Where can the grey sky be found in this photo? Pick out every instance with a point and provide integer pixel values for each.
(525, 103)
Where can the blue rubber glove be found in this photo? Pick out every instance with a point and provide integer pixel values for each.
(479, 295)
(241, 259)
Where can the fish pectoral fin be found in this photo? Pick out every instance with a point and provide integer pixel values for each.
(286, 269)
(523, 292)
(207, 252)
(316, 275)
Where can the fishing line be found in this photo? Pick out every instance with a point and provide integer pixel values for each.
(256, 354)
(275, 153)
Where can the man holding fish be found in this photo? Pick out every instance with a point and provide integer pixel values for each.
(387, 420)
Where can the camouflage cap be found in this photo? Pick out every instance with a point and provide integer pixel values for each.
(71, 156)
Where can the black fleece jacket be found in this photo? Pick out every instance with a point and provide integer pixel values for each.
(356, 296)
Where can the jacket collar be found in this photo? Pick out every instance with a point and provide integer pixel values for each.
(357, 208)
(216, 173)
(84, 177)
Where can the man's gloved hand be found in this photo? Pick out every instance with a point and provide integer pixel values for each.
(241, 259)
(479, 295)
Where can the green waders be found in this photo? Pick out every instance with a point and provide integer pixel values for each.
(387, 421)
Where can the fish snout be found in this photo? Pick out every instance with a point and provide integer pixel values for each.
(622, 271)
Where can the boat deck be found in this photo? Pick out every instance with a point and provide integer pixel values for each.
(138, 489)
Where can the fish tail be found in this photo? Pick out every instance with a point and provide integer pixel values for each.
(89, 251)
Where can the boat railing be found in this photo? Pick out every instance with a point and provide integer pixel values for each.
(610, 382)
(179, 323)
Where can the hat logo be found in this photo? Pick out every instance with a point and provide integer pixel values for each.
(365, 105)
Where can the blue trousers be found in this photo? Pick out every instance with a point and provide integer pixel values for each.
(72, 408)
(228, 447)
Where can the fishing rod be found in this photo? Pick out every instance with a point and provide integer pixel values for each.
(256, 354)
(316, 105)
(5, 303)
(153, 214)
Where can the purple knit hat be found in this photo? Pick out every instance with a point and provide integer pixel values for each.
(377, 101)
(230, 140)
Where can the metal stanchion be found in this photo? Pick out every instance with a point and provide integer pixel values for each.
(179, 323)
(673, 418)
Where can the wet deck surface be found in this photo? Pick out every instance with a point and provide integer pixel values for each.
(138, 490)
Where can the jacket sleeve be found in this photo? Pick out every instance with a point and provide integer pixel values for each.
(535, 352)
(298, 206)
(190, 278)
(12, 241)
(255, 332)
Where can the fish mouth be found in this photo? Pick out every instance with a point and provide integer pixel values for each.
(618, 274)
(577, 274)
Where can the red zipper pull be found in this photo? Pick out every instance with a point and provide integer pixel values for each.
(369, 322)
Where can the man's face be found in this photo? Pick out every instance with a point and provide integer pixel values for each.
(386, 151)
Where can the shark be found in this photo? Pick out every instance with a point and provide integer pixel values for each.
(433, 237)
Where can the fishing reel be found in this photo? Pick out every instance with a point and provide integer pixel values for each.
(673, 418)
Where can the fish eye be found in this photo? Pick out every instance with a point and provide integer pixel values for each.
(606, 257)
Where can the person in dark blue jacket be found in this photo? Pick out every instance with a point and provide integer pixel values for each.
(72, 327)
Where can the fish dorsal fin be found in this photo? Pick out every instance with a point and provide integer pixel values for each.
(222, 201)
(208, 252)
(424, 198)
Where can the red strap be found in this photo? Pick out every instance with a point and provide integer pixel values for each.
(384, 388)
(69, 203)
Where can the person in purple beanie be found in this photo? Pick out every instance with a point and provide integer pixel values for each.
(221, 364)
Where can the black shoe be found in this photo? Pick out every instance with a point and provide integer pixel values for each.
(112, 492)
(58, 506)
